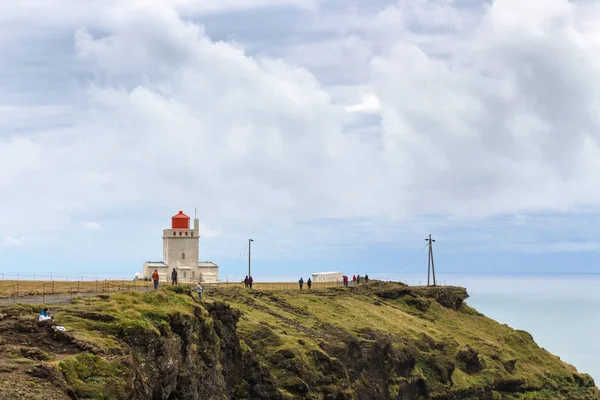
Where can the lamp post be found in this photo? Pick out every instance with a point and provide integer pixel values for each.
(249, 252)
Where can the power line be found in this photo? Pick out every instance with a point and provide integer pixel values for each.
(412, 264)
(414, 257)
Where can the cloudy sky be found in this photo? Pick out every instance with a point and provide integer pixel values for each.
(336, 134)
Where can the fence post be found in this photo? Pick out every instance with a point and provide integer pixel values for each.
(52, 285)
(43, 293)
(78, 287)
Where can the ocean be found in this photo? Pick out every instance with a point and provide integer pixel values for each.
(562, 312)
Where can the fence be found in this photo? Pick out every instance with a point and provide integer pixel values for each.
(17, 286)
(20, 287)
(273, 285)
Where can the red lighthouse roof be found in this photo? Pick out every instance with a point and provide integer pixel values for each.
(180, 215)
(180, 221)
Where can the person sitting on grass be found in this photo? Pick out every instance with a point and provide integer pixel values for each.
(199, 290)
(44, 315)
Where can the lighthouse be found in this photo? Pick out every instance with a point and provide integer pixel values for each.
(181, 252)
(180, 243)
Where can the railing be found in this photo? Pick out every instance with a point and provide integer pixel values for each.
(15, 289)
(35, 286)
(274, 285)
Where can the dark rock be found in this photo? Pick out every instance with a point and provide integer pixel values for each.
(33, 353)
(419, 303)
(28, 324)
(469, 360)
(441, 367)
(46, 323)
(510, 365)
(511, 385)
(413, 389)
(584, 380)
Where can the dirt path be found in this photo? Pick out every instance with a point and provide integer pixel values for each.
(61, 298)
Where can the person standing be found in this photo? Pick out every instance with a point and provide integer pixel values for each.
(353, 280)
(358, 279)
(250, 281)
(199, 290)
(246, 282)
(309, 283)
(155, 279)
(366, 278)
(173, 277)
(301, 282)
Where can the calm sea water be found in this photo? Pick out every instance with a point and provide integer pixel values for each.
(562, 312)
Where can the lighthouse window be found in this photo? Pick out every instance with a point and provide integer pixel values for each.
(186, 234)
(192, 234)
(183, 256)
(184, 274)
(179, 233)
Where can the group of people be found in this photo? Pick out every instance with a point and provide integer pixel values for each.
(248, 282)
(355, 279)
(308, 283)
(174, 281)
(174, 278)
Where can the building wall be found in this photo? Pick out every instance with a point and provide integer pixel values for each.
(176, 245)
(331, 277)
(209, 274)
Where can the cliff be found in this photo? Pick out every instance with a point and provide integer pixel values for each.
(377, 341)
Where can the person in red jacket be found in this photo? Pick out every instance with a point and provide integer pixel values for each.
(354, 280)
(155, 278)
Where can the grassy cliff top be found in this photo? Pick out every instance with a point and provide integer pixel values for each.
(375, 341)
(455, 348)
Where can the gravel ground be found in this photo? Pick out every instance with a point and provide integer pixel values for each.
(56, 298)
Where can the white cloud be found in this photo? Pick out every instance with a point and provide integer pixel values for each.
(481, 111)
(93, 226)
(369, 104)
(10, 241)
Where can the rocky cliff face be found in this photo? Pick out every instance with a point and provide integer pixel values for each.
(377, 342)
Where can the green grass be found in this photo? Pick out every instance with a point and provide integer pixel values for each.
(338, 342)
(276, 322)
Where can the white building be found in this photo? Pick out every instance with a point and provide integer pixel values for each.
(181, 251)
(327, 277)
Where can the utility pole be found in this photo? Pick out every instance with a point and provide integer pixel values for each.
(249, 250)
(430, 265)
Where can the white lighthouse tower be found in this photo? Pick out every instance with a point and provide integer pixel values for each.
(180, 243)
(181, 251)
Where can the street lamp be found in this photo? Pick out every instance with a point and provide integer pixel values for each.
(249, 251)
